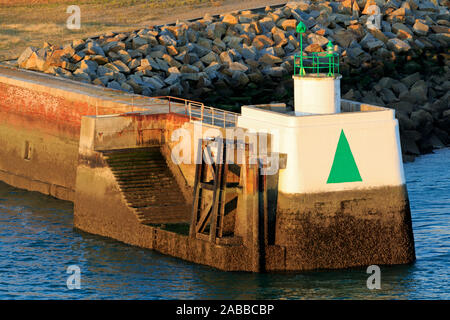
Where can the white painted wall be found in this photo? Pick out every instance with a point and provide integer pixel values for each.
(317, 94)
(310, 143)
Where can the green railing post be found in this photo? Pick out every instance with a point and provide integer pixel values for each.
(301, 29)
(301, 59)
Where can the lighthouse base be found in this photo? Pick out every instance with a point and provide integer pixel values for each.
(345, 229)
(317, 94)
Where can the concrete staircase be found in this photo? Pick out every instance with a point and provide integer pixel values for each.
(148, 185)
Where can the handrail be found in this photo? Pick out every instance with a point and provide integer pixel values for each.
(330, 65)
(198, 111)
(194, 110)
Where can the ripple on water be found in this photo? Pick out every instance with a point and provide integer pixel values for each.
(38, 243)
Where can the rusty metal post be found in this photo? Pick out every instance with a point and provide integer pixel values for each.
(218, 191)
(190, 111)
(197, 192)
(170, 108)
(202, 107)
(255, 225)
(263, 227)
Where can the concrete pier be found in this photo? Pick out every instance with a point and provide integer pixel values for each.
(111, 154)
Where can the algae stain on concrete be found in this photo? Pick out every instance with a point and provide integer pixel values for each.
(344, 168)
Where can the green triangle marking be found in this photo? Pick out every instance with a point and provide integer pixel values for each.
(344, 168)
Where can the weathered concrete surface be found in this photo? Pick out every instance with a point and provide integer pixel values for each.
(102, 206)
(43, 113)
(114, 219)
(303, 232)
(100, 209)
(148, 185)
(52, 159)
(344, 229)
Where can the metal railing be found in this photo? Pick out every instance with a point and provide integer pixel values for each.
(327, 61)
(197, 111)
(322, 62)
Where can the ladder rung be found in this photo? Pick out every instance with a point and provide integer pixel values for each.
(207, 185)
(237, 189)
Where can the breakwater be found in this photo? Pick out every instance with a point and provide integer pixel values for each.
(401, 61)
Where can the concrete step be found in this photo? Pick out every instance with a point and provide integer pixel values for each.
(152, 202)
(136, 168)
(142, 156)
(131, 190)
(155, 173)
(147, 181)
(130, 197)
(162, 220)
(149, 207)
(163, 196)
(148, 185)
(133, 153)
(149, 174)
(130, 163)
(143, 193)
(148, 190)
(168, 212)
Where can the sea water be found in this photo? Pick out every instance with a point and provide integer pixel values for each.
(38, 244)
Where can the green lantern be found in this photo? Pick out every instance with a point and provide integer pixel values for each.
(330, 47)
(301, 28)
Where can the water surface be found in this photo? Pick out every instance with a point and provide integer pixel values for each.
(38, 243)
